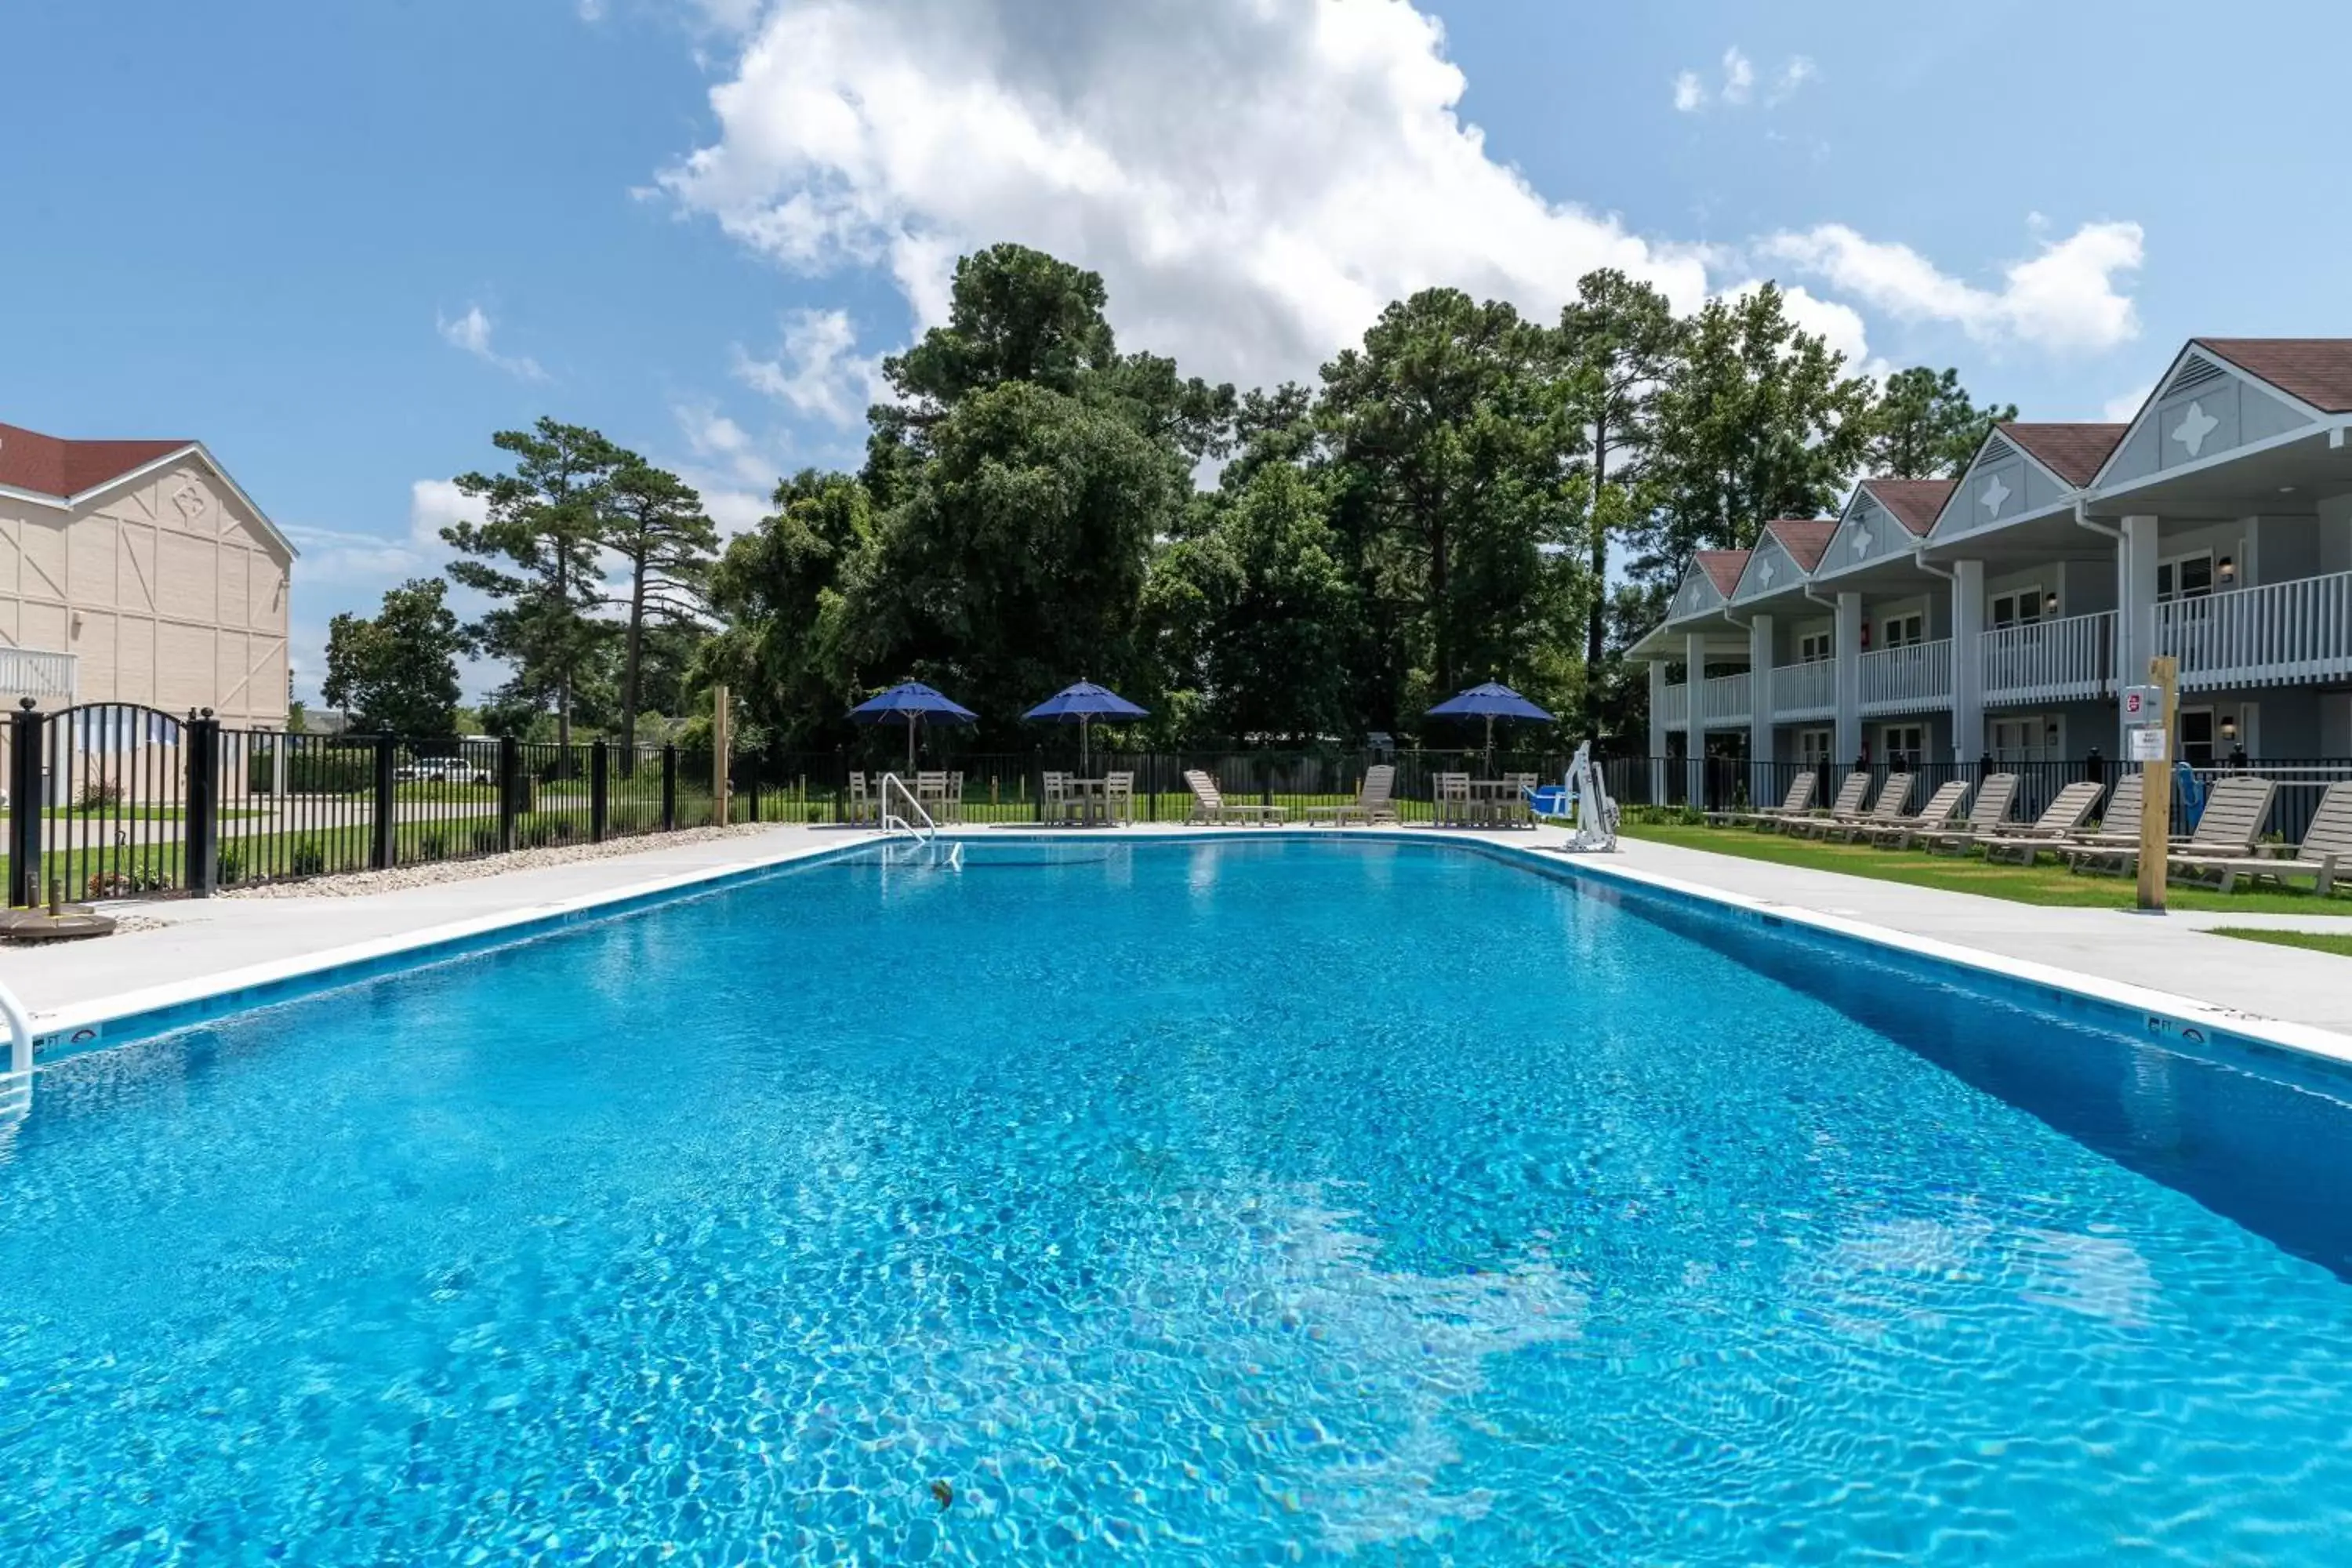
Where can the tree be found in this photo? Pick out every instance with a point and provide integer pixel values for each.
(654, 523)
(778, 593)
(534, 555)
(1620, 340)
(1756, 421)
(1450, 448)
(397, 674)
(1925, 427)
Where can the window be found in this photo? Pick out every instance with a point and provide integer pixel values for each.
(1812, 647)
(2194, 745)
(1814, 746)
(1902, 631)
(2022, 608)
(1903, 745)
(2027, 737)
(2185, 577)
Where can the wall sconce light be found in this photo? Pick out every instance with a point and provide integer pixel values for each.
(2050, 604)
(2230, 727)
(2227, 569)
(2053, 732)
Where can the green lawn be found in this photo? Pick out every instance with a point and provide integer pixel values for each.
(2341, 946)
(2039, 884)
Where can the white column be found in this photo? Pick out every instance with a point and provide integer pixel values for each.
(1759, 711)
(1657, 731)
(1849, 679)
(1694, 731)
(1967, 661)
(2136, 555)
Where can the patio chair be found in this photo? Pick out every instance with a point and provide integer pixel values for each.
(1938, 814)
(1118, 797)
(1452, 800)
(2326, 844)
(1209, 804)
(860, 806)
(1373, 802)
(1794, 803)
(1054, 802)
(2232, 819)
(931, 795)
(1893, 799)
(2023, 842)
(1991, 815)
(1852, 798)
(1511, 811)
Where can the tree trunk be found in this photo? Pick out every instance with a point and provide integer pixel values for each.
(1596, 623)
(636, 641)
(1442, 619)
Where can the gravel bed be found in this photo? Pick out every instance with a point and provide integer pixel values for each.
(358, 884)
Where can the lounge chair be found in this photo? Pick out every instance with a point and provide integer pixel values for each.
(1989, 815)
(1794, 803)
(1852, 798)
(1892, 800)
(1942, 807)
(2326, 845)
(2023, 842)
(2232, 819)
(1209, 804)
(1373, 802)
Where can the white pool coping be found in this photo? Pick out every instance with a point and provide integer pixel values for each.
(98, 1009)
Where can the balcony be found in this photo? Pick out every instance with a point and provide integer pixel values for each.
(2049, 661)
(1723, 701)
(1914, 676)
(1807, 690)
(27, 672)
(2296, 631)
(1674, 706)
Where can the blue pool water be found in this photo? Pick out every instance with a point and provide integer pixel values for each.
(1260, 1202)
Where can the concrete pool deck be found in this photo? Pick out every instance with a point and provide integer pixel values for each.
(188, 949)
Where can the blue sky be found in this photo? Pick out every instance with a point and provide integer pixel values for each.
(341, 244)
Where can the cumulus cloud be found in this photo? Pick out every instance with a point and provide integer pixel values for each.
(1738, 76)
(1793, 75)
(819, 372)
(1254, 181)
(471, 333)
(1737, 87)
(1689, 96)
(735, 473)
(2125, 406)
(2064, 298)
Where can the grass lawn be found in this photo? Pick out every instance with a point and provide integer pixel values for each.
(2317, 942)
(2043, 883)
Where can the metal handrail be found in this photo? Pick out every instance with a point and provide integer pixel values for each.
(16, 1083)
(893, 823)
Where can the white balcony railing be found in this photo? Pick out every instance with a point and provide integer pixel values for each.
(1807, 690)
(1674, 707)
(1917, 675)
(28, 672)
(2049, 661)
(1724, 700)
(2297, 630)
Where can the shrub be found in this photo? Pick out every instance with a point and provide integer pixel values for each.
(97, 795)
(229, 864)
(308, 860)
(433, 846)
(486, 841)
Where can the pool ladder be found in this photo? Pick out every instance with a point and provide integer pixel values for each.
(897, 827)
(16, 1083)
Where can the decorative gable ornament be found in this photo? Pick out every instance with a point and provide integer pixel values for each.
(1995, 496)
(189, 500)
(1862, 541)
(1764, 574)
(2194, 426)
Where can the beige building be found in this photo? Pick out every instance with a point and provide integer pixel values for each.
(137, 571)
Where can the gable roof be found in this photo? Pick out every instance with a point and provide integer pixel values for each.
(1722, 568)
(1914, 504)
(1804, 538)
(2316, 370)
(2072, 452)
(49, 466)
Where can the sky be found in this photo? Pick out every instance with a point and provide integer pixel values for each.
(343, 244)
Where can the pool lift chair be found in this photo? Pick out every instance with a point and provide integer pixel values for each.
(1581, 802)
(919, 828)
(16, 1082)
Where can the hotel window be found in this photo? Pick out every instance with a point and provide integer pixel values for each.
(2185, 577)
(1814, 646)
(1903, 745)
(1902, 631)
(2022, 608)
(2195, 745)
(1814, 746)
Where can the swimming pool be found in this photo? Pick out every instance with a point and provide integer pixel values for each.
(1245, 1201)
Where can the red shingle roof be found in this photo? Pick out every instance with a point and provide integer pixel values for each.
(2072, 452)
(50, 467)
(1913, 502)
(2317, 370)
(1804, 538)
(1723, 568)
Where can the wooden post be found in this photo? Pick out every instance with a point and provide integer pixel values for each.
(2155, 790)
(722, 743)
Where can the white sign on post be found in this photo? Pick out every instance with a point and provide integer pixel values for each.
(2148, 744)
(2142, 704)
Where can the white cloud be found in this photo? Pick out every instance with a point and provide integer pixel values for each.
(820, 372)
(1840, 326)
(2122, 408)
(1800, 70)
(735, 474)
(1254, 181)
(471, 333)
(1738, 76)
(2064, 298)
(1689, 96)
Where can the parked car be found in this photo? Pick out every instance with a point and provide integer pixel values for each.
(441, 769)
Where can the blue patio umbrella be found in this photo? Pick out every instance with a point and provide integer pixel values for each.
(1490, 701)
(913, 702)
(1082, 704)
